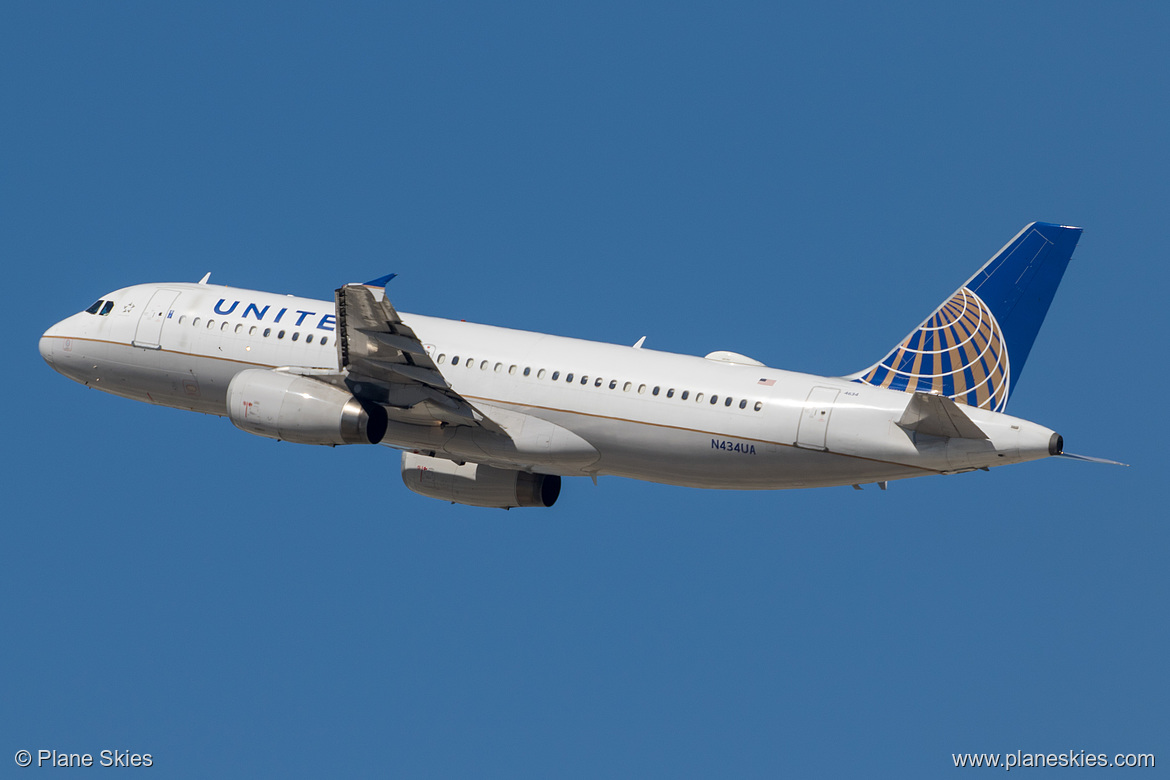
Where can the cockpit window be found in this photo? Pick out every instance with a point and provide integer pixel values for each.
(94, 309)
(107, 308)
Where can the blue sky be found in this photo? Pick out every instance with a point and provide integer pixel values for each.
(801, 185)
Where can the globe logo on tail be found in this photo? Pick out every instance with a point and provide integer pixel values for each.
(958, 352)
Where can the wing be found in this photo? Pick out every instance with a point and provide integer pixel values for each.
(387, 364)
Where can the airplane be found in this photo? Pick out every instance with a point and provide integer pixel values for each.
(495, 417)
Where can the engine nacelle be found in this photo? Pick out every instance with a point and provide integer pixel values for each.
(475, 484)
(295, 408)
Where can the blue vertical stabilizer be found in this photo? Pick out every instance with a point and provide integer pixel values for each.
(973, 347)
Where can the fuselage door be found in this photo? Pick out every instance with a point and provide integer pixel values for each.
(153, 316)
(814, 418)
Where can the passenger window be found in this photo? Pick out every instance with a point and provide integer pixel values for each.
(585, 379)
(95, 307)
(280, 335)
(252, 331)
(626, 388)
(568, 377)
(698, 397)
(182, 318)
(527, 370)
(654, 391)
(685, 394)
(483, 365)
(727, 401)
(442, 358)
(759, 405)
(324, 340)
(511, 370)
(195, 323)
(540, 374)
(455, 360)
(107, 308)
(498, 367)
(612, 384)
(714, 399)
(597, 382)
(743, 404)
(224, 326)
(670, 393)
(267, 331)
(240, 328)
(210, 324)
(309, 339)
(296, 335)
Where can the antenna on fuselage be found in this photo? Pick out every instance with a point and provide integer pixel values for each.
(206, 276)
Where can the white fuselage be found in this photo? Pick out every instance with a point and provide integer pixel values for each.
(631, 412)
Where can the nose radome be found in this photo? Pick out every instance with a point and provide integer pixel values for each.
(46, 347)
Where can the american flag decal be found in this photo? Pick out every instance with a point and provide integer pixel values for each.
(767, 382)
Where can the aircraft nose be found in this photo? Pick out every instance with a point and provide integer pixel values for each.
(50, 343)
(46, 347)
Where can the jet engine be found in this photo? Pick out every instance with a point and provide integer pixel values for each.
(475, 484)
(295, 408)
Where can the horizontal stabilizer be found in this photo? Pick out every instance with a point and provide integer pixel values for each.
(937, 415)
(1088, 459)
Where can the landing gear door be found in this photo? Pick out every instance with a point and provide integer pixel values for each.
(153, 316)
(814, 418)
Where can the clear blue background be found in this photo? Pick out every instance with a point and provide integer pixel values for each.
(799, 185)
